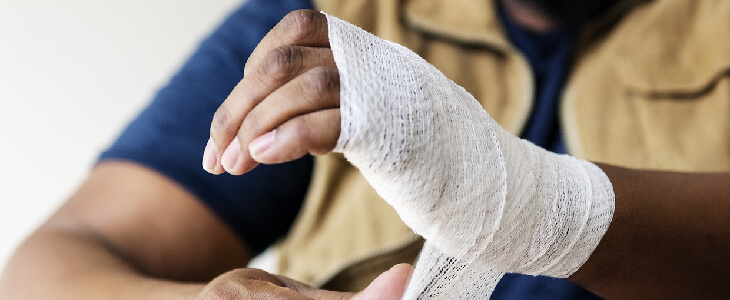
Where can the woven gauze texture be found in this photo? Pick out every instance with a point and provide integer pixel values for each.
(486, 201)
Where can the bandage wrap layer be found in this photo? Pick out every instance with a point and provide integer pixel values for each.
(486, 201)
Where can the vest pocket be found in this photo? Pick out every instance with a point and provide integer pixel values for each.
(688, 128)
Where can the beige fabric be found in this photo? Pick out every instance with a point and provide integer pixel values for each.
(651, 89)
(342, 222)
(655, 92)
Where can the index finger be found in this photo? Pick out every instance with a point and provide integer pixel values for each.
(298, 28)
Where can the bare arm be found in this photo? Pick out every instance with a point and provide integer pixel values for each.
(669, 238)
(130, 233)
(124, 226)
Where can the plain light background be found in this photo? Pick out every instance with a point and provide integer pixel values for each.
(72, 74)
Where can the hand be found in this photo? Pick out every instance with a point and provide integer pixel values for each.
(486, 201)
(257, 284)
(287, 104)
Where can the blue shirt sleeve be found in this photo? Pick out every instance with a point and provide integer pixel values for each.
(169, 136)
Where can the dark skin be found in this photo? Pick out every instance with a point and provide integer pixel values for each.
(106, 242)
(669, 237)
(109, 241)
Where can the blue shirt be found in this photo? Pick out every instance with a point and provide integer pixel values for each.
(170, 134)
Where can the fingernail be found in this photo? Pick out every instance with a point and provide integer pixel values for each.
(210, 156)
(230, 156)
(259, 146)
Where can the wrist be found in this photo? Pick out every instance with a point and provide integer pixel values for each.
(557, 209)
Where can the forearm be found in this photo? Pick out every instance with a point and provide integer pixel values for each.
(669, 237)
(58, 264)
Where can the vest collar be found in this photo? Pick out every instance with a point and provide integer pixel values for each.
(476, 22)
(465, 21)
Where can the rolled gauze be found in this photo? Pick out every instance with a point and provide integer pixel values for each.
(486, 201)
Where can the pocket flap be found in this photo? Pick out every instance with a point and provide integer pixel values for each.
(680, 49)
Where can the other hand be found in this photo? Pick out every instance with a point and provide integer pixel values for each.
(257, 284)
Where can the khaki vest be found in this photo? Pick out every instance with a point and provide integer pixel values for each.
(650, 89)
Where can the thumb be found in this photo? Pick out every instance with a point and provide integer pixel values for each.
(388, 286)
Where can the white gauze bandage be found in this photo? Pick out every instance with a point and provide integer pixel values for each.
(486, 201)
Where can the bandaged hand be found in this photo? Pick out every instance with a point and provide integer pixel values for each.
(485, 201)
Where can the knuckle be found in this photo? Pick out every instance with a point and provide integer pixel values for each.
(216, 294)
(224, 289)
(250, 125)
(231, 285)
(282, 61)
(322, 81)
(302, 24)
(222, 122)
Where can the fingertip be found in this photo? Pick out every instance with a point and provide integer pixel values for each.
(408, 270)
(389, 285)
(229, 159)
(210, 159)
(402, 272)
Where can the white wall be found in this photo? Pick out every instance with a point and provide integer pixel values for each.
(72, 73)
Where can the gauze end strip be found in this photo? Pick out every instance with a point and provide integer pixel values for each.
(486, 201)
